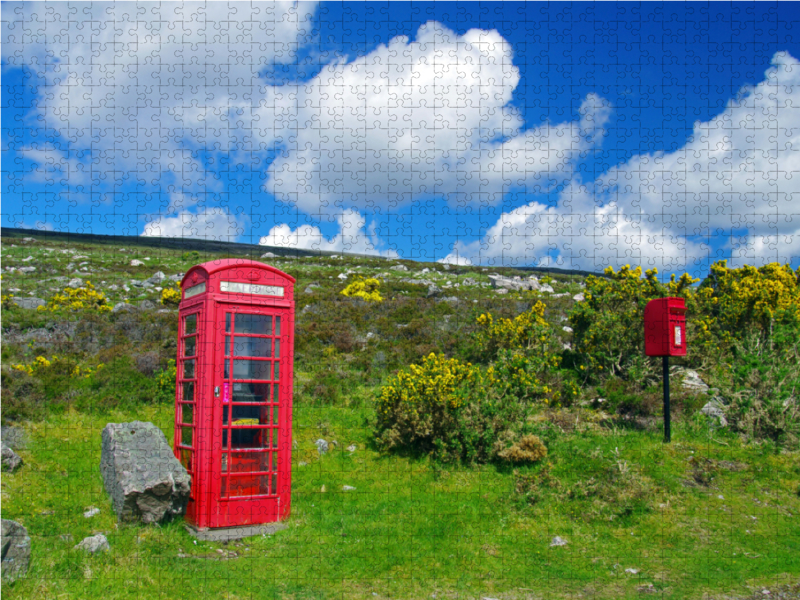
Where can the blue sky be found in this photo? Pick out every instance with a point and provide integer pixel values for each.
(565, 134)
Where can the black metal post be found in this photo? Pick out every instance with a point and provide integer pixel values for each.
(667, 433)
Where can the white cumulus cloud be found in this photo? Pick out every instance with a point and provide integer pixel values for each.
(205, 223)
(413, 120)
(353, 236)
(739, 171)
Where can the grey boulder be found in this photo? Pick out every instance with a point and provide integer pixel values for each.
(16, 550)
(141, 474)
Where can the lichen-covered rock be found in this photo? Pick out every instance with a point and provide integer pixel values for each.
(144, 479)
(16, 550)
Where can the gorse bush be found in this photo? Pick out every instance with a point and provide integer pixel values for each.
(82, 298)
(734, 302)
(366, 289)
(608, 324)
(171, 296)
(445, 407)
(165, 382)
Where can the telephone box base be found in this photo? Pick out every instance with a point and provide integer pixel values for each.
(226, 534)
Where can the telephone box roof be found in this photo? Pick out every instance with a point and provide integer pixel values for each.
(222, 264)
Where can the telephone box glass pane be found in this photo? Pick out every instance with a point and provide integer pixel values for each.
(227, 369)
(227, 345)
(277, 371)
(277, 348)
(275, 438)
(190, 324)
(187, 414)
(248, 485)
(252, 346)
(254, 324)
(277, 325)
(250, 392)
(188, 369)
(249, 438)
(275, 392)
(251, 369)
(249, 462)
(274, 415)
(186, 436)
(274, 485)
(190, 346)
(256, 414)
(227, 322)
(186, 459)
(188, 392)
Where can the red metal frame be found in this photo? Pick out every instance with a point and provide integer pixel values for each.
(665, 327)
(242, 385)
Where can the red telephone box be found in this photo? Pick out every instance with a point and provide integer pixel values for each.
(665, 327)
(233, 402)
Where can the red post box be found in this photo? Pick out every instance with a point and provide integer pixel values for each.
(665, 327)
(233, 402)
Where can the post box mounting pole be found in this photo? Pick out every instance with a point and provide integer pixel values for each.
(667, 432)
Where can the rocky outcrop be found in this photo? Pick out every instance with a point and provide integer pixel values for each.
(144, 479)
(16, 550)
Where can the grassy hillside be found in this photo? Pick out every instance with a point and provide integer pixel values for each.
(712, 515)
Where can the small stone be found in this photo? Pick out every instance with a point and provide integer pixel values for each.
(348, 488)
(268, 255)
(433, 290)
(28, 239)
(342, 276)
(137, 263)
(322, 489)
(398, 268)
(75, 283)
(501, 291)
(11, 460)
(157, 278)
(632, 571)
(27, 259)
(567, 329)
(91, 511)
(692, 382)
(558, 541)
(122, 306)
(579, 297)
(26, 269)
(547, 288)
(146, 305)
(66, 537)
(302, 463)
(646, 589)
(714, 411)
(94, 543)
(351, 448)
(322, 446)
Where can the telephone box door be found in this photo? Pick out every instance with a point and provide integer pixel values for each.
(252, 415)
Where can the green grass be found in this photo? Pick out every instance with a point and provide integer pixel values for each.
(412, 527)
